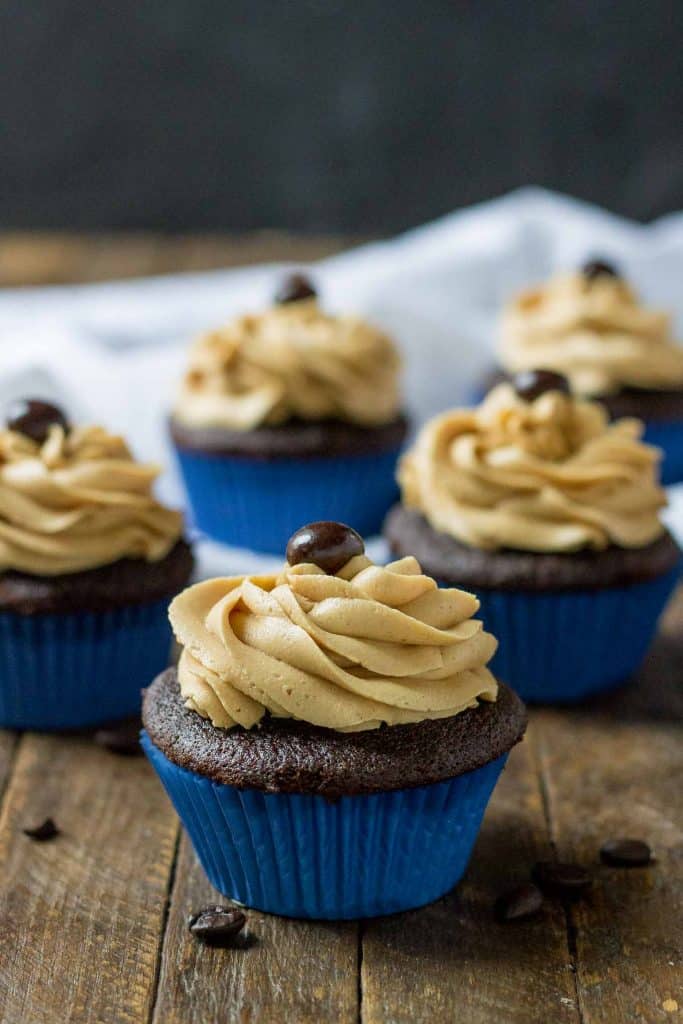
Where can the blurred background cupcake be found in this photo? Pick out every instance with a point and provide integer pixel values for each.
(289, 414)
(88, 562)
(591, 327)
(381, 731)
(550, 514)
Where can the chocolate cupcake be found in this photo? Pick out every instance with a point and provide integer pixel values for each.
(290, 413)
(88, 562)
(551, 515)
(332, 735)
(591, 327)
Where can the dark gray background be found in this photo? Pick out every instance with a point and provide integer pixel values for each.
(319, 115)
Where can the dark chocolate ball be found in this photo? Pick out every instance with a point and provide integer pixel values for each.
(33, 418)
(295, 288)
(531, 384)
(326, 544)
(599, 268)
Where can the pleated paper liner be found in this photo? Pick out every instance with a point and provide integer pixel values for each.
(259, 504)
(561, 647)
(669, 437)
(66, 671)
(301, 855)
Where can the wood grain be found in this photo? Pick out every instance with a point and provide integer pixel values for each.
(303, 972)
(82, 915)
(89, 934)
(452, 961)
(9, 742)
(615, 769)
(53, 258)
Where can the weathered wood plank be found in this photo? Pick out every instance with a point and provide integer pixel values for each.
(291, 971)
(9, 742)
(82, 914)
(39, 257)
(54, 258)
(614, 769)
(452, 961)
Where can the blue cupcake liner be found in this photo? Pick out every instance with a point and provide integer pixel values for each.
(561, 647)
(258, 504)
(669, 437)
(66, 671)
(301, 855)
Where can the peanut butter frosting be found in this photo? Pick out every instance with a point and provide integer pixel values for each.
(78, 501)
(595, 332)
(547, 475)
(349, 652)
(292, 361)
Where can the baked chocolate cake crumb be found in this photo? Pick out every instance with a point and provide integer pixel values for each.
(128, 581)
(286, 756)
(295, 439)
(456, 564)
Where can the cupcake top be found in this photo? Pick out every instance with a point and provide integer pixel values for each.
(74, 498)
(293, 361)
(333, 640)
(535, 469)
(591, 327)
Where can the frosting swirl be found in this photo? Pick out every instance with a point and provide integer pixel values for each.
(293, 361)
(78, 501)
(547, 475)
(349, 652)
(594, 332)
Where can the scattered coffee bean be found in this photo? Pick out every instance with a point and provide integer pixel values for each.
(217, 926)
(122, 738)
(41, 833)
(33, 418)
(599, 268)
(626, 853)
(531, 384)
(295, 288)
(567, 881)
(519, 903)
(326, 544)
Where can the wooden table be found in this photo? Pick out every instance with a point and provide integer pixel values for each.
(94, 924)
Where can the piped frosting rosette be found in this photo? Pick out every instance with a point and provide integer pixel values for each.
(293, 361)
(544, 475)
(368, 646)
(78, 501)
(595, 332)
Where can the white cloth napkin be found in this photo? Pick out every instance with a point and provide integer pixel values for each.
(113, 352)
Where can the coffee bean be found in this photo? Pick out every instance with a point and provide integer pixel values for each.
(626, 853)
(33, 418)
(217, 926)
(599, 268)
(41, 833)
(531, 384)
(567, 881)
(122, 738)
(326, 544)
(519, 903)
(295, 288)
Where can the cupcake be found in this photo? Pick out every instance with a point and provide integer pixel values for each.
(289, 414)
(331, 735)
(551, 515)
(88, 562)
(591, 327)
